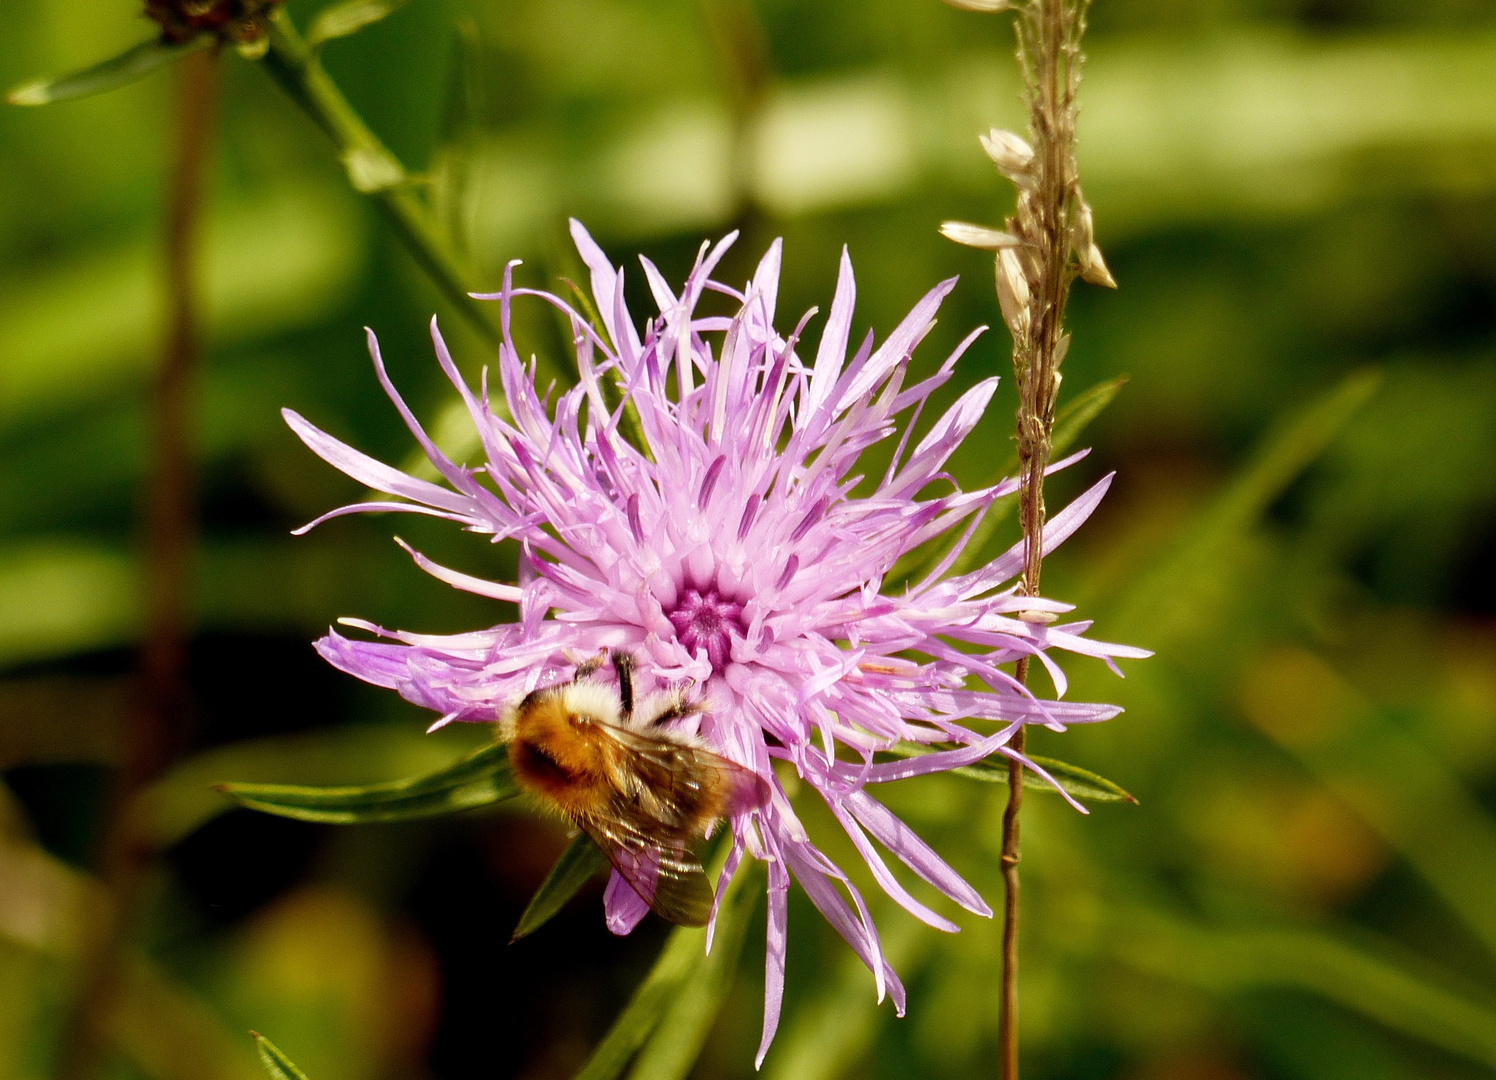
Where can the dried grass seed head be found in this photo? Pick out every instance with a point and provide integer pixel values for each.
(1083, 239)
(1013, 156)
(978, 236)
(1013, 293)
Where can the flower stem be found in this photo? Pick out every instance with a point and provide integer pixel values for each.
(372, 168)
(1007, 1020)
(1049, 49)
(159, 719)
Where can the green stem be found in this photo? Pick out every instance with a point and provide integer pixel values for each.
(372, 168)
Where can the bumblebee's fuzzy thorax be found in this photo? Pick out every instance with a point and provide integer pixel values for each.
(554, 749)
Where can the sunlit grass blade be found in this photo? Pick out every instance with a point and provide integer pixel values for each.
(1071, 421)
(121, 70)
(830, 1033)
(371, 167)
(477, 780)
(1352, 975)
(341, 20)
(677, 1040)
(1287, 452)
(683, 955)
(1081, 783)
(1156, 600)
(275, 1061)
(578, 864)
(1377, 764)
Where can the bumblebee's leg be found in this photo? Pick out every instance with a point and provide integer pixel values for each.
(588, 668)
(623, 663)
(674, 709)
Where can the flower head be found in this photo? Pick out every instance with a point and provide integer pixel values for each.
(729, 551)
(243, 22)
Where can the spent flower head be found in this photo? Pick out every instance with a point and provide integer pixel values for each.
(728, 551)
(242, 22)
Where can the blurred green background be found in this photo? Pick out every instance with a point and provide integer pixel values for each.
(1298, 198)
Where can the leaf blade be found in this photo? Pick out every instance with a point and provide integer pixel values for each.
(673, 1047)
(343, 20)
(479, 779)
(1077, 416)
(578, 864)
(683, 954)
(275, 1061)
(1148, 607)
(1076, 781)
(129, 66)
(1349, 967)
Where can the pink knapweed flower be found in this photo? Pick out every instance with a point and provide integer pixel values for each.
(730, 551)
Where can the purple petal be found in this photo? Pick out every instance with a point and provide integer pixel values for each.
(832, 353)
(372, 473)
(777, 935)
(622, 906)
(914, 852)
(466, 582)
(898, 346)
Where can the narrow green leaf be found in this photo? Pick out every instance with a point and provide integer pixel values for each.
(479, 779)
(127, 67)
(578, 864)
(1078, 782)
(1358, 972)
(1167, 598)
(341, 20)
(683, 954)
(463, 109)
(1285, 453)
(1082, 783)
(584, 303)
(1077, 416)
(295, 65)
(612, 393)
(678, 1038)
(275, 1061)
(186, 797)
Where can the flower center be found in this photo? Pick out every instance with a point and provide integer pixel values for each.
(705, 620)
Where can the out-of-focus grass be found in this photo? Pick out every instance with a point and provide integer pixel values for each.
(1288, 194)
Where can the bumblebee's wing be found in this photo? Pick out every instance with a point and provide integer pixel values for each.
(670, 880)
(679, 788)
(667, 794)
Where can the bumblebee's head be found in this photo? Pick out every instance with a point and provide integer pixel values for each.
(572, 704)
(586, 703)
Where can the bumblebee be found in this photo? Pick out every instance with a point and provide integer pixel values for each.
(642, 790)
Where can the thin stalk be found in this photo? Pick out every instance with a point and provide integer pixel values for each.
(372, 168)
(1041, 272)
(1007, 1017)
(158, 722)
(746, 67)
